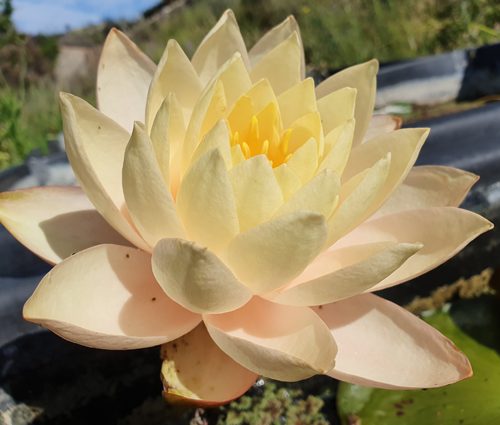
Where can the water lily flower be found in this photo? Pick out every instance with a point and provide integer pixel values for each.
(242, 217)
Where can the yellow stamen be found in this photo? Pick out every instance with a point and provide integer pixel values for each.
(265, 147)
(235, 139)
(246, 149)
(254, 135)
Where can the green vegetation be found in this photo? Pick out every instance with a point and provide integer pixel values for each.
(336, 33)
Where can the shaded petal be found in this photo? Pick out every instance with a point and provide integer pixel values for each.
(267, 256)
(279, 342)
(218, 46)
(95, 146)
(304, 161)
(175, 74)
(149, 201)
(442, 230)
(342, 273)
(196, 371)
(281, 65)
(55, 222)
(319, 195)
(297, 101)
(217, 138)
(429, 186)
(381, 124)
(275, 36)
(206, 202)
(363, 78)
(256, 191)
(337, 107)
(196, 279)
(262, 95)
(382, 345)
(107, 297)
(123, 78)
(338, 143)
(289, 181)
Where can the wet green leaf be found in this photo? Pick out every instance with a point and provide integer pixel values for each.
(475, 401)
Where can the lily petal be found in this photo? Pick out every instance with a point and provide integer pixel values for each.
(319, 195)
(123, 78)
(442, 230)
(267, 256)
(95, 145)
(55, 222)
(281, 65)
(196, 279)
(342, 273)
(218, 46)
(382, 345)
(362, 78)
(280, 342)
(289, 181)
(256, 191)
(337, 107)
(304, 161)
(175, 74)
(149, 201)
(429, 186)
(196, 371)
(297, 101)
(338, 143)
(274, 37)
(206, 202)
(115, 304)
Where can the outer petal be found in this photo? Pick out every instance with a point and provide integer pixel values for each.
(281, 65)
(443, 231)
(363, 78)
(382, 345)
(267, 256)
(107, 297)
(196, 371)
(218, 46)
(195, 278)
(280, 342)
(96, 146)
(55, 222)
(337, 107)
(123, 79)
(274, 37)
(206, 202)
(381, 124)
(341, 273)
(429, 186)
(148, 198)
(257, 193)
(175, 74)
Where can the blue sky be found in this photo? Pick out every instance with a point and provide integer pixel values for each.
(54, 16)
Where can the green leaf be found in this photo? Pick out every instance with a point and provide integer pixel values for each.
(475, 401)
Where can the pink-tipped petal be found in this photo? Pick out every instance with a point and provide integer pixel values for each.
(107, 297)
(383, 345)
(196, 371)
(123, 78)
(381, 124)
(443, 231)
(429, 186)
(277, 341)
(55, 222)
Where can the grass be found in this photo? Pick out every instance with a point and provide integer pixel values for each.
(336, 33)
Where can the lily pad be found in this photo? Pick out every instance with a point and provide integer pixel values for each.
(474, 401)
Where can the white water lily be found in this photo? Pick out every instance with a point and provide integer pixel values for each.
(242, 217)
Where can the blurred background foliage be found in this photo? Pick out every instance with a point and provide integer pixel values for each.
(336, 33)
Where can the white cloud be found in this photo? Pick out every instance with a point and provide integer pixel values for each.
(54, 16)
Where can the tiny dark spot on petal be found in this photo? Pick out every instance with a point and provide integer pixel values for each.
(153, 299)
(99, 127)
(127, 255)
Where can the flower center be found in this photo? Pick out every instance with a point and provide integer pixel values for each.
(261, 134)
